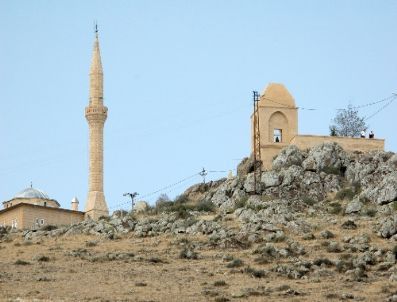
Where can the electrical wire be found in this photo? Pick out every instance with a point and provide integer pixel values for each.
(381, 109)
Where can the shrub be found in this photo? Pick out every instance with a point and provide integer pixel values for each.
(241, 203)
(42, 258)
(335, 208)
(205, 206)
(371, 212)
(346, 193)
(21, 262)
(220, 283)
(309, 201)
(48, 227)
(394, 250)
(235, 263)
(331, 170)
(181, 199)
(188, 253)
(91, 243)
(255, 273)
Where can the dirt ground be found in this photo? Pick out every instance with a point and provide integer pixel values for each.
(150, 269)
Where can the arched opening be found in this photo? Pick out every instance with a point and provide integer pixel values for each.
(278, 125)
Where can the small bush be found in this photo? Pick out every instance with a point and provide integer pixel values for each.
(188, 253)
(21, 262)
(141, 284)
(221, 299)
(371, 212)
(48, 227)
(42, 258)
(332, 170)
(255, 273)
(335, 208)
(346, 193)
(220, 283)
(309, 201)
(321, 261)
(181, 199)
(205, 206)
(241, 203)
(91, 243)
(394, 250)
(235, 263)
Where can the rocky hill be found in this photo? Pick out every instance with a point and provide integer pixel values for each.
(320, 226)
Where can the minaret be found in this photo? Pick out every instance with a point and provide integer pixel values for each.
(96, 114)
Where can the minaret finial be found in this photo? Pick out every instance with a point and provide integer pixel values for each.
(31, 184)
(96, 28)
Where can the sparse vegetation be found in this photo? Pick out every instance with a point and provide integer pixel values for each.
(331, 170)
(235, 263)
(309, 201)
(335, 208)
(220, 283)
(346, 193)
(241, 203)
(21, 262)
(255, 272)
(48, 227)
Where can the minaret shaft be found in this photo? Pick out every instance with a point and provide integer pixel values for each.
(96, 114)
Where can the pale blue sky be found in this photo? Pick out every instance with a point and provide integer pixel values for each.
(178, 82)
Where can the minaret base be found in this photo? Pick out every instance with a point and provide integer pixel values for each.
(96, 205)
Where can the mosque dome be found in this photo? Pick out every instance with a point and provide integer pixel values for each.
(31, 193)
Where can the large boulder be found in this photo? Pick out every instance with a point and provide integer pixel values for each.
(388, 226)
(354, 206)
(328, 157)
(288, 156)
(270, 179)
(383, 192)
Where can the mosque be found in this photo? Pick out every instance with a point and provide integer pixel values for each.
(32, 208)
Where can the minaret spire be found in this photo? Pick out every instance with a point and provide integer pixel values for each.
(96, 114)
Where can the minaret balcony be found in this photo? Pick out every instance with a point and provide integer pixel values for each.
(96, 113)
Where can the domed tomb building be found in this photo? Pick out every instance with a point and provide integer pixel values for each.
(32, 208)
(274, 125)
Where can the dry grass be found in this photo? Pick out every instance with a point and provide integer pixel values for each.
(152, 270)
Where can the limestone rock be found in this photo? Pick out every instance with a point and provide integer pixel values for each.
(354, 206)
(270, 179)
(288, 156)
(141, 206)
(388, 227)
(328, 157)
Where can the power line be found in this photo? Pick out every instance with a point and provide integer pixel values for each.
(382, 108)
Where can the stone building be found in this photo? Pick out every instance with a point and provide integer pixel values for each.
(32, 208)
(275, 126)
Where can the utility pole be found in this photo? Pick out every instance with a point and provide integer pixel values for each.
(256, 130)
(203, 174)
(132, 196)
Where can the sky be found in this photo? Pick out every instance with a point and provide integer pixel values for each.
(178, 82)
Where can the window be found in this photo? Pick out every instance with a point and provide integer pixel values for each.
(277, 135)
(14, 224)
(39, 221)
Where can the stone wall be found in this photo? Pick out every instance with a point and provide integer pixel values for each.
(347, 143)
